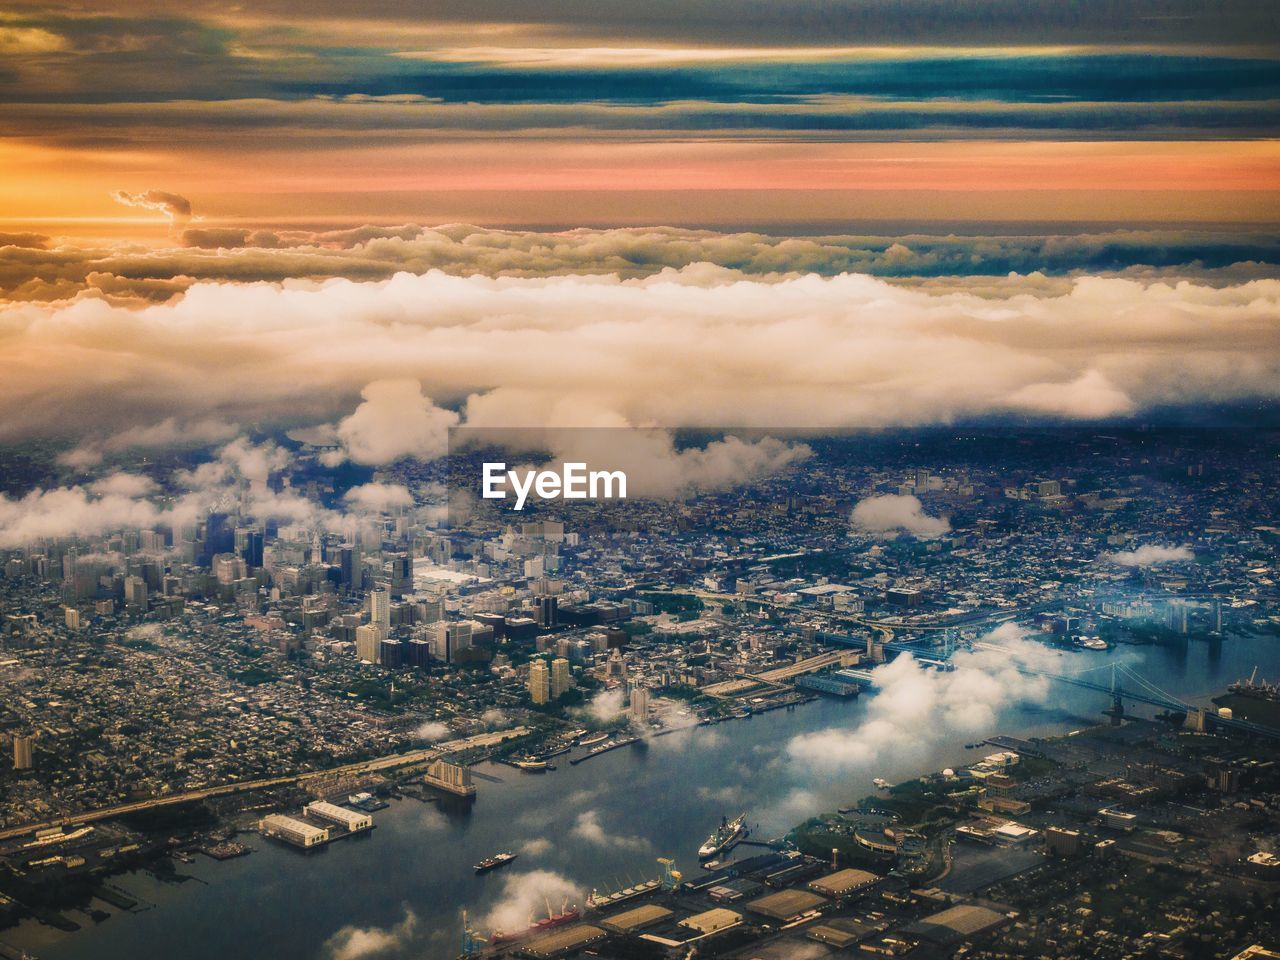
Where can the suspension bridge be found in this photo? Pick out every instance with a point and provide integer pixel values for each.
(1121, 682)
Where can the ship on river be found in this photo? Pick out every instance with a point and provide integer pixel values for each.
(1253, 687)
(725, 836)
(494, 862)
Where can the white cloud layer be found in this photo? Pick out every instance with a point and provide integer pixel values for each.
(698, 346)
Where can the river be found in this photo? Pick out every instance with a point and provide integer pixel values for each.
(590, 825)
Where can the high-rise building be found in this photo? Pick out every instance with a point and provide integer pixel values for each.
(135, 593)
(23, 753)
(401, 575)
(380, 608)
(418, 653)
(219, 537)
(561, 679)
(639, 709)
(369, 642)
(351, 566)
(391, 654)
(451, 638)
(251, 546)
(72, 617)
(430, 610)
(228, 568)
(539, 682)
(548, 611)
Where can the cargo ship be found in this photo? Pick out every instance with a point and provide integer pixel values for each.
(1253, 687)
(493, 863)
(550, 922)
(725, 836)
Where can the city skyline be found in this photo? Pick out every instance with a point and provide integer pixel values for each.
(744, 479)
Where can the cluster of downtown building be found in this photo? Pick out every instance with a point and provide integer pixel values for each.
(525, 613)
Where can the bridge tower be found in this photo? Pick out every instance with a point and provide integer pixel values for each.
(1116, 712)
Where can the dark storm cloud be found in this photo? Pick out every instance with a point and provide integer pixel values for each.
(1186, 70)
(800, 22)
(1083, 78)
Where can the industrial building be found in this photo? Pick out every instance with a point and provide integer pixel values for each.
(955, 924)
(787, 905)
(843, 883)
(712, 921)
(450, 777)
(562, 942)
(350, 820)
(635, 919)
(291, 830)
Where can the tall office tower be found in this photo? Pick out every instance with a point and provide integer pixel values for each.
(418, 653)
(548, 611)
(151, 541)
(72, 618)
(252, 546)
(368, 642)
(218, 536)
(539, 682)
(135, 593)
(401, 575)
(391, 654)
(639, 709)
(352, 566)
(561, 680)
(23, 753)
(380, 609)
(450, 639)
(430, 611)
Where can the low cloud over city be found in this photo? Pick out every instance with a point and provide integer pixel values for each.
(698, 345)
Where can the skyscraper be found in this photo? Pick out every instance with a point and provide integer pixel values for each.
(639, 710)
(380, 609)
(135, 593)
(539, 682)
(561, 680)
(401, 575)
(548, 611)
(368, 642)
(23, 754)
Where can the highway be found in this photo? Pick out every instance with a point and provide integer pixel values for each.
(777, 676)
(226, 789)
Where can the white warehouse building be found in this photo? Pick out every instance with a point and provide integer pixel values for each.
(291, 830)
(353, 821)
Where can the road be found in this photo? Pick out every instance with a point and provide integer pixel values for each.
(226, 789)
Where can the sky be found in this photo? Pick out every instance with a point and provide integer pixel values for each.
(381, 220)
(610, 113)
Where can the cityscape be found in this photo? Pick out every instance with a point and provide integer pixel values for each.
(205, 690)
(600, 480)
